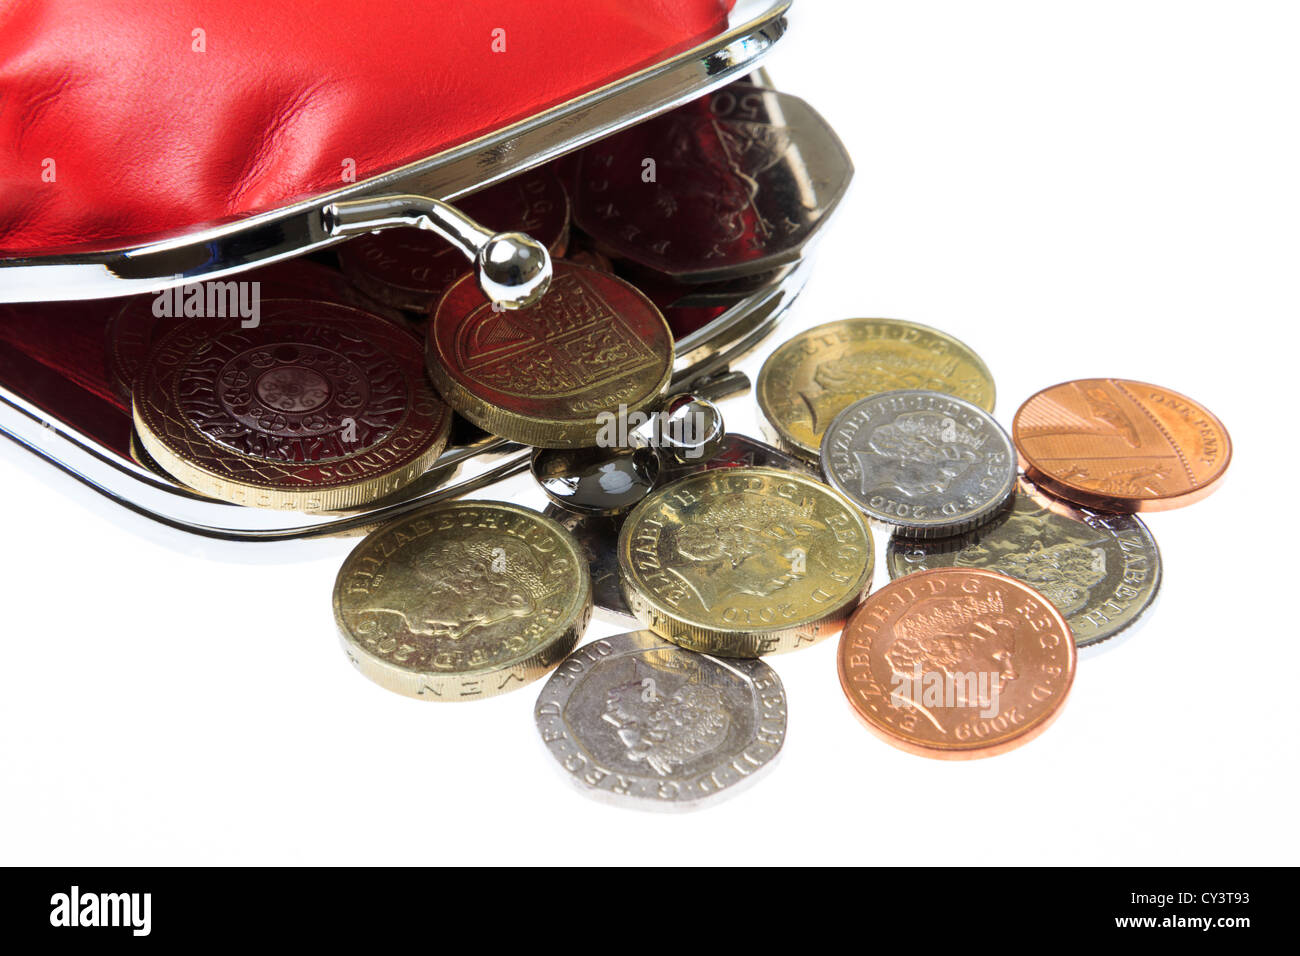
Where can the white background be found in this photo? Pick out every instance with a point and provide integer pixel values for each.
(1094, 189)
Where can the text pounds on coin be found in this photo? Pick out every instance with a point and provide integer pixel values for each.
(316, 408)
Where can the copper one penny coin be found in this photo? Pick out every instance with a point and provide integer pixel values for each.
(1118, 445)
(957, 663)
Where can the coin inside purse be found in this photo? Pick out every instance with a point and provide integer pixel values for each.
(67, 367)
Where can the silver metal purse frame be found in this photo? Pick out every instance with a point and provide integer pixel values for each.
(702, 354)
(398, 198)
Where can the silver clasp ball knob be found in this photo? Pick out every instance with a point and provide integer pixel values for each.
(514, 270)
(689, 429)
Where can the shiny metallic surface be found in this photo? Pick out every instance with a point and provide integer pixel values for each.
(957, 663)
(689, 428)
(596, 481)
(134, 327)
(513, 269)
(741, 328)
(636, 721)
(89, 457)
(1121, 445)
(317, 407)
(593, 349)
(923, 463)
(1101, 570)
(743, 179)
(811, 378)
(598, 535)
(611, 479)
(733, 290)
(213, 251)
(412, 268)
(738, 451)
(743, 562)
(462, 601)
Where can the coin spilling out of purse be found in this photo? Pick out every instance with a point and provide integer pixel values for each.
(1007, 550)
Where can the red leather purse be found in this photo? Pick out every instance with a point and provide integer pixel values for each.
(128, 123)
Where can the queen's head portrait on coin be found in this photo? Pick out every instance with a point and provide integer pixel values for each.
(924, 463)
(462, 600)
(448, 591)
(636, 720)
(957, 663)
(744, 561)
(811, 378)
(1101, 570)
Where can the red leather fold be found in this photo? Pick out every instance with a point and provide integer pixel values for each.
(125, 122)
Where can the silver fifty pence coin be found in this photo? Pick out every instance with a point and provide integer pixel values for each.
(637, 721)
(923, 463)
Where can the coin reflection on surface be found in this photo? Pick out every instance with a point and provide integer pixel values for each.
(596, 481)
(743, 180)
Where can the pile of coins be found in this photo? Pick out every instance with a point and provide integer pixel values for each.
(721, 547)
(969, 652)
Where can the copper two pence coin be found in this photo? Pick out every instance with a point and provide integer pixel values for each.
(410, 268)
(1119, 445)
(550, 375)
(957, 663)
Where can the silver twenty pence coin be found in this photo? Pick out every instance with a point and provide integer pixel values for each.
(924, 463)
(637, 721)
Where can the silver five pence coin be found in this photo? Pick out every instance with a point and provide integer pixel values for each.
(924, 463)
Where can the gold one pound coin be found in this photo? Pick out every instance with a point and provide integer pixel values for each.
(462, 600)
(741, 562)
(813, 377)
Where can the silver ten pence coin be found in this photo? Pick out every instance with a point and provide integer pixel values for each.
(637, 721)
(924, 463)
